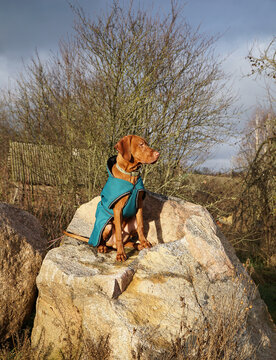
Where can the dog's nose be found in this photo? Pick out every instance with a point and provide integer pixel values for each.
(156, 154)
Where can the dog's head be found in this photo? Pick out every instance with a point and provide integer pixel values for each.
(135, 149)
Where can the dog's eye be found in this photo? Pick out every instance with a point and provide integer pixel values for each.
(142, 144)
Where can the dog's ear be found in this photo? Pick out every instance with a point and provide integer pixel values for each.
(123, 147)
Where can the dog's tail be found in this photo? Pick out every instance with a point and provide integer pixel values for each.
(75, 236)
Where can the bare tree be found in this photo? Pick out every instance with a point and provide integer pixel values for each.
(127, 73)
(7, 131)
(157, 78)
(256, 132)
(265, 61)
(255, 213)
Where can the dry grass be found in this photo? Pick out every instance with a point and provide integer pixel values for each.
(220, 335)
(88, 350)
(221, 332)
(19, 348)
(53, 208)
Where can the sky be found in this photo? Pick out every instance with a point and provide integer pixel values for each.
(27, 26)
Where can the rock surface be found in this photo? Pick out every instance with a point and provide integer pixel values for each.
(22, 246)
(167, 220)
(190, 280)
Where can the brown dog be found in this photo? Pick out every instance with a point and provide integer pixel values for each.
(133, 151)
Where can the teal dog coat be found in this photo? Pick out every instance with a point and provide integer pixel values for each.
(114, 190)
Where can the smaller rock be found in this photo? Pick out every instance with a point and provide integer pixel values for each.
(84, 218)
(22, 246)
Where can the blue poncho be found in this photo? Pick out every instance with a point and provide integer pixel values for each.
(114, 190)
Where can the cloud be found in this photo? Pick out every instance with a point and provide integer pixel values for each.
(30, 24)
(251, 90)
(251, 93)
(245, 18)
(26, 24)
(222, 156)
(8, 70)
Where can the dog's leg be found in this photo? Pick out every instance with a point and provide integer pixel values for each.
(102, 248)
(129, 229)
(140, 224)
(118, 222)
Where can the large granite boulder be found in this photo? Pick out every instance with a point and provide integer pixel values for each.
(22, 246)
(188, 293)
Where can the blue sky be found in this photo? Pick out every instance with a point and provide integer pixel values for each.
(27, 25)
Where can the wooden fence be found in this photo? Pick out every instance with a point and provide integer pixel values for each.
(48, 164)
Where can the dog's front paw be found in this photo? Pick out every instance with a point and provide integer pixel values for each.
(102, 249)
(145, 245)
(121, 257)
